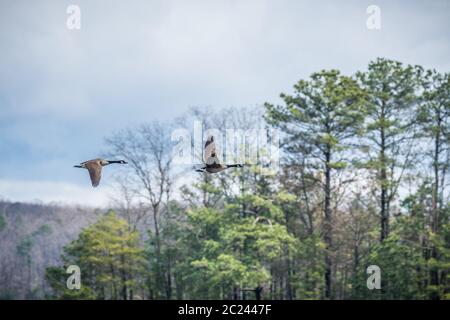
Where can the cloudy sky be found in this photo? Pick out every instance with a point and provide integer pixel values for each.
(62, 91)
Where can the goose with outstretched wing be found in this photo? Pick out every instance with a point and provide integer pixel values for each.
(212, 161)
(94, 168)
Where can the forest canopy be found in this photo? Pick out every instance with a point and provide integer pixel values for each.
(362, 180)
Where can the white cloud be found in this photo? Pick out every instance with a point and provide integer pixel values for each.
(48, 191)
(62, 91)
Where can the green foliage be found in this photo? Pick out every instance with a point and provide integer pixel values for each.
(322, 114)
(392, 98)
(43, 230)
(25, 246)
(403, 268)
(57, 278)
(2, 223)
(110, 259)
(7, 295)
(349, 147)
(442, 264)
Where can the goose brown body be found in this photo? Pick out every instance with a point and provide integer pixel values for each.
(94, 168)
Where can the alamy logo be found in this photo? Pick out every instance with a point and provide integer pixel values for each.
(374, 20)
(374, 281)
(74, 20)
(74, 280)
(250, 146)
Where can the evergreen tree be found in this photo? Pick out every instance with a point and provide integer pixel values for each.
(391, 100)
(109, 257)
(319, 121)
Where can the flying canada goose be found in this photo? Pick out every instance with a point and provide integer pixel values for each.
(95, 168)
(212, 162)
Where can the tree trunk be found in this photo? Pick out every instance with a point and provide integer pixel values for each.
(435, 204)
(258, 291)
(355, 259)
(434, 274)
(384, 214)
(124, 279)
(114, 287)
(328, 227)
(159, 278)
(169, 280)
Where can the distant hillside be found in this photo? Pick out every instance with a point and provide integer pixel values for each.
(31, 239)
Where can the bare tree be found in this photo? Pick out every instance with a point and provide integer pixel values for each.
(130, 206)
(148, 150)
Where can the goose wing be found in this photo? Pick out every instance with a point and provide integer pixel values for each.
(210, 155)
(95, 172)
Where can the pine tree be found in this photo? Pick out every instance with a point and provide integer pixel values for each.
(109, 257)
(392, 96)
(319, 121)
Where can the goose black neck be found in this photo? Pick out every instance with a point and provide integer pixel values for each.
(114, 161)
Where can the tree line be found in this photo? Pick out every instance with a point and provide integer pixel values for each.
(362, 181)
